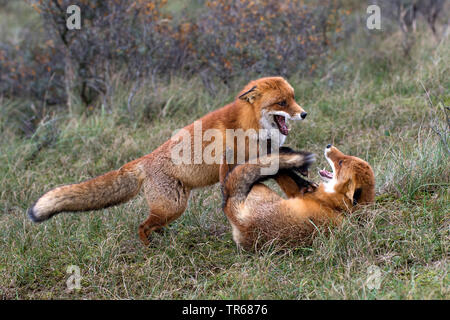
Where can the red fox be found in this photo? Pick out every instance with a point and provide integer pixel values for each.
(258, 215)
(266, 103)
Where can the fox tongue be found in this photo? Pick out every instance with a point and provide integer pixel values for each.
(281, 123)
(326, 174)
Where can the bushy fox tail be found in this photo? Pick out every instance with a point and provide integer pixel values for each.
(112, 188)
(238, 183)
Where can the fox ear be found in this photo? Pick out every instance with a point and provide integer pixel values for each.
(350, 186)
(249, 95)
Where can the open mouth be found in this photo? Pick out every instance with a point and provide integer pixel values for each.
(281, 123)
(326, 174)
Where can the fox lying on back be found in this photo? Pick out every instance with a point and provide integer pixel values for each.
(266, 103)
(259, 215)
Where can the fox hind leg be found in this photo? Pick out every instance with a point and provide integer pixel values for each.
(155, 222)
(167, 201)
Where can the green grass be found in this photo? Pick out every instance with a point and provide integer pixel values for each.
(371, 104)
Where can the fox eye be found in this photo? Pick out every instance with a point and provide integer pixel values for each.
(340, 163)
(282, 103)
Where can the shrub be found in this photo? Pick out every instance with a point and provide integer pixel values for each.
(406, 13)
(114, 35)
(268, 37)
(31, 68)
(222, 40)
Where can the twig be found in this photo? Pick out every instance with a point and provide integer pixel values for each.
(133, 92)
(434, 127)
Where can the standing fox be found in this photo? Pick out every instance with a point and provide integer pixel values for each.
(266, 103)
(259, 215)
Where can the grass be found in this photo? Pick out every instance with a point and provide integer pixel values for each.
(381, 114)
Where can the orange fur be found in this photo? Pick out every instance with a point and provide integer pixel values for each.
(259, 215)
(167, 185)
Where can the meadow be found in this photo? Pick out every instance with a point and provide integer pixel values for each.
(368, 99)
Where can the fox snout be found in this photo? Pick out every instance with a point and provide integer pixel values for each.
(332, 152)
(298, 112)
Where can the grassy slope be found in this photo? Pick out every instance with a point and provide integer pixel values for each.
(370, 104)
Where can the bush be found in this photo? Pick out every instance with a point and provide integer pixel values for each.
(31, 70)
(224, 39)
(263, 37)
(406, 13)
(114, 35)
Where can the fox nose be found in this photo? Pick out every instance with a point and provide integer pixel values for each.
(303, 115)
(329, 146)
